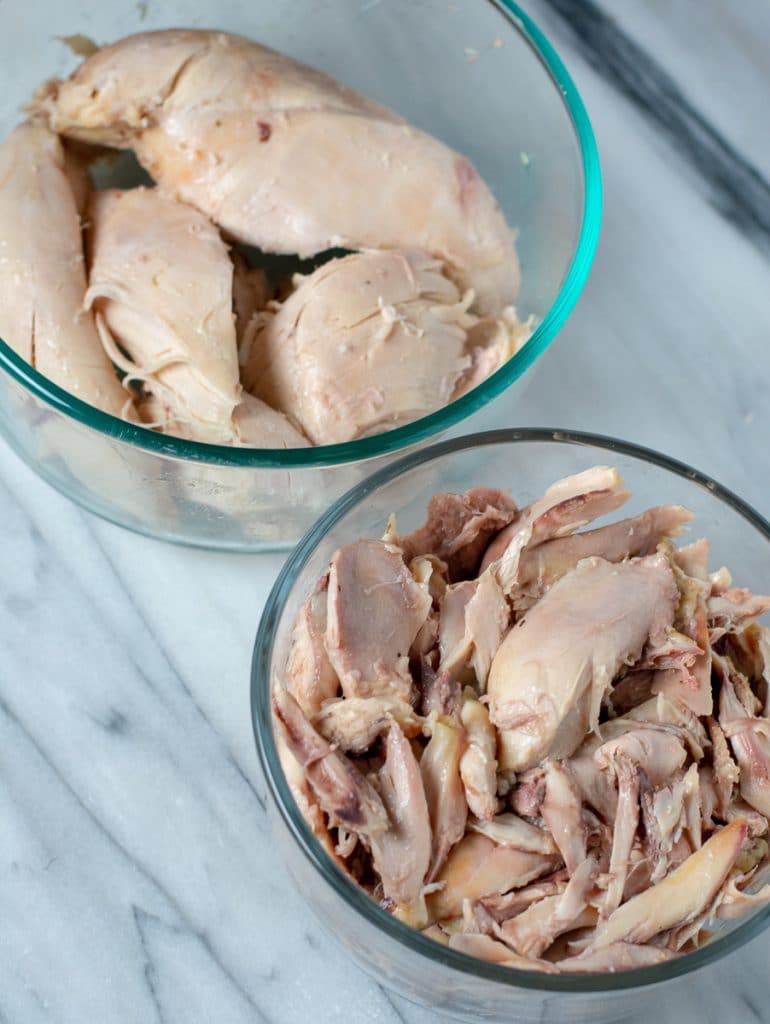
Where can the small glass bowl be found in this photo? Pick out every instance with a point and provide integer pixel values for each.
(479, 75)
(523, 462)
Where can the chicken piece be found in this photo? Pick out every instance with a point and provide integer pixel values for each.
(309, 676)
(596, 788)
(624, 832)
(474, 619)
(257, 425)
(552, 671)
(532, 931)
(567, 505)
(501, 908)
(657, 751)
(662, 711)
(375, 611)
(511, 830)
(490, 343)
(730, 611)
(458, 528)
(689, 683)
(478, 764)
(478, 867)
(725, 773)
(750, 740)
(734, 901)
(401, 854)
(441, 695)
(160, 284)
(541, 566)
(365, 343)
(483, 947)
(440, 768)
(562, 814)
(680, 897)
(619, 956)
(353, 724)
(693, 559)
(340, 788)
(42, 275)
(282, 156)
(305, 798)
(528, 792)
(251, 293)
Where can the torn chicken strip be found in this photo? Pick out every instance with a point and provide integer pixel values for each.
(596, 788)
(483, 947)
(501, 908)
(693, 559)
(680, 897)
(662, 711)
(478, 764)
(567, 505)
(160, 285)
(665, 817)
(42, 270)
(309, 676)
(402, 852)
(440, 768)
(477, 867)
(458, 528)
(562, 814)
(511, 830)
(551, 673)
(298, 155)
(490, 343)
(619, 956)
(730, 611)
(474, 619)
(375, 611)
(340, 788)
(542, 565)
(624, 831)
(734, 901)
(305, 798)
(750, 740)
(532, 931)
(725, 772)
(353, 724)
(528, 792)
(689, 682)
(659, 752)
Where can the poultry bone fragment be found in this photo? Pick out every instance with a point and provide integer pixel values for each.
(552, 671)
(365, 343)
(243, 133)
(160, 284)
(42, 270)
(375, 611)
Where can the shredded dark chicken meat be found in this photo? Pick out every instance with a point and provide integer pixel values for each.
(545, 748)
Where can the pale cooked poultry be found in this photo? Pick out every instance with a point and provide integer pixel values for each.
(365, 343)
(245, 134)
(596, 809)
(42, 270)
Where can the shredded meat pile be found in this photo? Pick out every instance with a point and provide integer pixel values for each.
(546, 748)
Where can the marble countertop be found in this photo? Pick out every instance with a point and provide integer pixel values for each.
(138, 880)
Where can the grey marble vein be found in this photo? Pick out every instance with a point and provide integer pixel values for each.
(735, 187)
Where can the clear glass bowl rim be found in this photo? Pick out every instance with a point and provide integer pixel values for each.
(355, 898)
(427, 426)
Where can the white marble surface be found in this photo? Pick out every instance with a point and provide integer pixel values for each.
(138, 882)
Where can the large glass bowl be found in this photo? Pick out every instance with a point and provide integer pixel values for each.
(482, 77)
(524, 462)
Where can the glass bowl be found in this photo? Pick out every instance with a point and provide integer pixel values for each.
(524, 462)
(479, 75)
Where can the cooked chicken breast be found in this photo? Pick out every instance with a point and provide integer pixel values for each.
(42, 270)
(241, 132)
